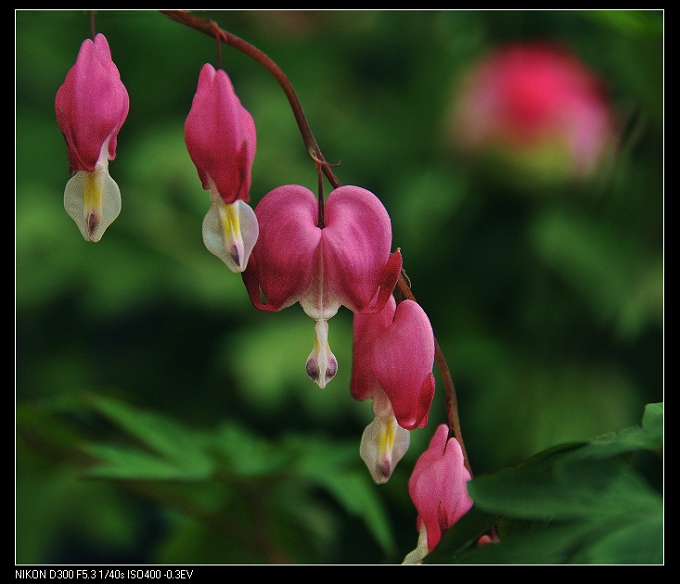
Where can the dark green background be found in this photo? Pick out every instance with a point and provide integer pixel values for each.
(546, 296)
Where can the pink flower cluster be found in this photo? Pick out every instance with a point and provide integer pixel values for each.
(287, 252)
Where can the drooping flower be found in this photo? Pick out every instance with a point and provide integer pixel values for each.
(220, 137)
(345, 262)
(91, 106)
(438, 489)
(393, 355)
(394, 351)
(538, 108)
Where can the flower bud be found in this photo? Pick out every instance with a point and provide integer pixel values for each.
(220, 137)
(91, 106)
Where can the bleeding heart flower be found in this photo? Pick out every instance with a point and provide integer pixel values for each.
(394, 352)
(438, 489)
(345, 262)
(91, 106)
(220, 137)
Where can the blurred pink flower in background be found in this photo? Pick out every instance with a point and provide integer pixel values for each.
(538, 106)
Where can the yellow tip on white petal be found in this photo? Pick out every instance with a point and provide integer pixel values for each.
(230, 232)
(383, 445)
(92, 200)
(321, 364)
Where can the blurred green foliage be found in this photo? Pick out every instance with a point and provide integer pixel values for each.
(140, 361)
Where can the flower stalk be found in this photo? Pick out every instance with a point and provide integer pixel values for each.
(451, 400)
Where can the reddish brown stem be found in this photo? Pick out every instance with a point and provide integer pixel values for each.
(451, 399)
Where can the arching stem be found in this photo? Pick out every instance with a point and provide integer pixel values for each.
(451, 399)
(212, 29)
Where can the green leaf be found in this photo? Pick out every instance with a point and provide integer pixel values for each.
(571, 542)
(358, 495)
(573, 488)
(652, 421)
(647, 437)
(639, 542)
(552, 545)
(338, 469)
(248, 455)
(579, 503)
(179, 451)
(630, 22)
(120, 462)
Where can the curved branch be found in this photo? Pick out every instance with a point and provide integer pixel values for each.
(212, 29)
(451, 399)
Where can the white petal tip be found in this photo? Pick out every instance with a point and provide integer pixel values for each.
(92, 200)
(383, 445)
(321, 363)
(230, 233)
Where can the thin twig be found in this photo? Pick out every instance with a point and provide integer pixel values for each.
(451, 399)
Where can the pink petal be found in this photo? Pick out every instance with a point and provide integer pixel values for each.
(357, 240)
(91, 105)
(220, 136)
(435, 451)
(280, 265)
(348, 262)
(367, 327)
(402, 360)
(438, 485)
